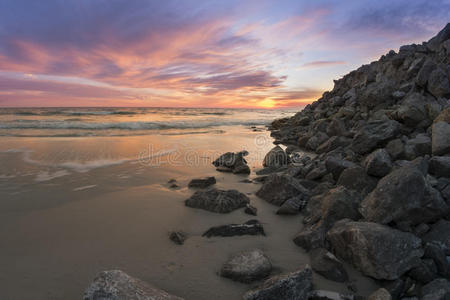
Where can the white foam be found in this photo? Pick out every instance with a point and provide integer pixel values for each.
(47, 176)
(82, 188)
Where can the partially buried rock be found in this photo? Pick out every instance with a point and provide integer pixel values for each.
(218, 201)
(252, 227)
(326, 264)
(295, 285)
(117, 285)
(178, 237)
(247, 266)
(278, 188)
(251, 210)
(377, 250)
(202, 182)
(276, 157)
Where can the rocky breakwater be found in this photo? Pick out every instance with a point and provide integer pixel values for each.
(374, 170)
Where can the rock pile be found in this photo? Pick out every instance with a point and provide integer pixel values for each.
(375, 171)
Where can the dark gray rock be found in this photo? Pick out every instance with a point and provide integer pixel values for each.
(218, 201)
(418, 146)
(424, 272)
(202, 182)
(311, 238)
(440, 139)
(252, 227)
(292, 206)
(329, 295)
(333, 143)
(380, 294)
(316, 140)
(413, 111)
(251, 210)
(374, 134)
(293, 286)
(336, 165)
(178, 237)
(424, 73)
(276, 158)
(439, 83)
(437, 254)
(278, 188)
(438, 289)
(247, 266)
(377, 250)
(439, 234)
(117, 285)
(440, 166)
(395, 148)
(356, 178)
(326, 264)
(378, 163)
(232, 162)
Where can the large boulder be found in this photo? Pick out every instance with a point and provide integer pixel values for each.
(413, 110)
(403, 195)
(439, 83)
(439, 234)
(278, 188)
(378, 163)
(247, 266)
(218, 201)
(438, 289)
(356, 178)
(336, 165)
(326, 264)
(374, 134)
(418, 146)
(295, 285)
(440, 166)
(440, 139)
(276, 158)
(376, 250)
(117, 285)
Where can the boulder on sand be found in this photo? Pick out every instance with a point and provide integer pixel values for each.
(247, 266)
(202, 182)
(218, 201)
(278, 188)
(376, 250)
(295, 285)
(276, 158)
(117, 285)
(252, 227)
(232, 162)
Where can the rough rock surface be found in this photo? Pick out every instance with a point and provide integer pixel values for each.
(326, 264)
(329, 295)
(295, 285)
(439, 234)
(202, 182)
(247, 266)
(378, 163)
(276, 158)
(377, 250)
(438, 289)
(278, 188)
(117, 285)
(252, 227)
(232, 162)
(380, 294)
(218, 201)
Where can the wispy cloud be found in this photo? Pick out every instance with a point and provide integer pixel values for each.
(323, 63)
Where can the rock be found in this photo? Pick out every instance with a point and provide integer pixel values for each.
(232, 162)
(311, 238)
(356, 178)
(224, 169)
(329, 295)
(292, 206)
(202, 182)
(440, 166)
(376, 250)
(247, 266)
(439, 83)
(295, 285)
(276, 158)
(418, 146)
(333, 143)
(438, 289)
(252, 227)
(117, 285)
(380, 294)
(439, 234)
(317, 173)
(437, 254)
(327, 265)
(178, 237)
(336, 165)
(378, 163)
(251, 210)
(278, 188)
(440, 140)
(218, 201)
(374, 134)
(444, 116)
(395, 148)
(241, 168)
(413, 110)
(424, 73)
(316, 140)
(423, 273)
(403, 195)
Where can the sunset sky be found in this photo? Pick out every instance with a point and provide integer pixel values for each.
(197, 53)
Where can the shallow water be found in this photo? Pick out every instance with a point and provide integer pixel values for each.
(74, 206)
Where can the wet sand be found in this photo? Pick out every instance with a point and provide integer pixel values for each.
(57, 234)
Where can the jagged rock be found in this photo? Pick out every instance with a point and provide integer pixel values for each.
(380, 294)
(437, 254)
(424, 272)
(440, 138)
(424, 73)
(377, 250)
(295, 285)
(336, 128)
(439, 234)
(251, 210)
(232, 162)
(438, 289)
(327, 265)
(252, 227)
(413, 111)
(418, 146)
(316, 140)
(336, 165)
(311, 238)
(317, 172)
(439, 83)
(333, 143)
(378, 163)
(374, 134)
(202, 182)
(329, 295)
(403, 195)
(117, 285)
(218, 201)
(178, 237)
(292, 206)
(440, 166)
(278, 188)
(356, 178)
(247, 266)
(276, 158)
(395, 148)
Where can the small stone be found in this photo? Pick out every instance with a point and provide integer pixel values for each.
(178, 237)
(251, 210)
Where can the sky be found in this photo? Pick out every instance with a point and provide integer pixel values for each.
(196, 53)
